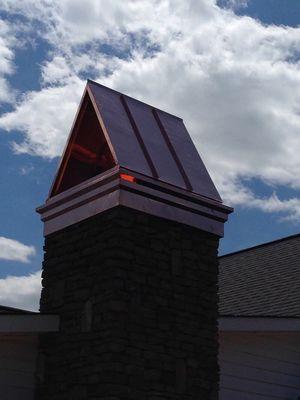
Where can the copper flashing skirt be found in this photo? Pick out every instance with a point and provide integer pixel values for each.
(113, 188)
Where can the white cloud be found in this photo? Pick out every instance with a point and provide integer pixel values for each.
(235, 4)
(56, 71)
(7, 42)
(15, 251)
(240, 195)
(45, 117)
(26, 169)
(235, 81)
(21, 291)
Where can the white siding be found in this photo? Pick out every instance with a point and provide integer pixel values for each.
(17, 366)
(256, 366)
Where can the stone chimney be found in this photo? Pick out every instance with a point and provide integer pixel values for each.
(132, 227)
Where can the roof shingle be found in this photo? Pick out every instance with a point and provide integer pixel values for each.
(262, 281)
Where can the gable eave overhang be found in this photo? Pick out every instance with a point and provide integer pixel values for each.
(87, 95)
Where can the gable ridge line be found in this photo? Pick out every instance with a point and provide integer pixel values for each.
(60, 166)
(282, 239)
(101, 123)
(90, 81)
(85, 99)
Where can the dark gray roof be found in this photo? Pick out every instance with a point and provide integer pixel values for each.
(262, 281)
(11, 310)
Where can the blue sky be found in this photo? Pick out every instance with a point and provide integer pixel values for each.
(229, 68)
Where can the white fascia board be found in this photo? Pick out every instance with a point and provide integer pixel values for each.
(28, 323)
(259, 324)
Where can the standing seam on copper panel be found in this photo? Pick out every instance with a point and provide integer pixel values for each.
(172, 150)
(139, 137)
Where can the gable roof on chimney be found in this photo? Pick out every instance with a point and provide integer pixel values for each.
(123, 152)
(142, 139)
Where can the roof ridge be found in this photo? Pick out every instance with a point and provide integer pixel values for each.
(282, 239)
(133, 98)
(15, 310)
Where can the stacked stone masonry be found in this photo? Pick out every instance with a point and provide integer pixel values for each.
(137, 299)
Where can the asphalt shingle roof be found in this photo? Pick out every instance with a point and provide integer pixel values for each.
(11, 310)
(259, 281)
(262, 281)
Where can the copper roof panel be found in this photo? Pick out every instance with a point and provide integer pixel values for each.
(188, 156)
(151, 142)
(123, 152)
(127, 149)
(163, 161)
